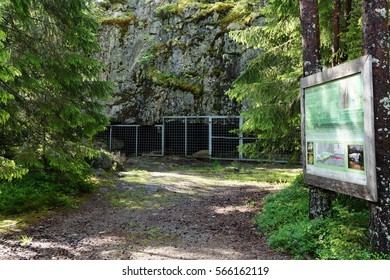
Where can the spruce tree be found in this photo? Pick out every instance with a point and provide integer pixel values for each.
(8, 168)
(269, 87)
(55, 100)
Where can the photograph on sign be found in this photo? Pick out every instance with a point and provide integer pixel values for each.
(336, 133)
(356, 157)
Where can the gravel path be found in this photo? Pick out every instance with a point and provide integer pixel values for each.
(166, 214)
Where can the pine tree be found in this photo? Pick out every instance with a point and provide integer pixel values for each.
(376, 43)
(55, 103)
(320, 200)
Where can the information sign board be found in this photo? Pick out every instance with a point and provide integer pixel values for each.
(338, 129)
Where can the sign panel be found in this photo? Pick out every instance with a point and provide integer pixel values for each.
(337, 129)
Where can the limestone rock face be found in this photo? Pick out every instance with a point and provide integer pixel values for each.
(168, 58)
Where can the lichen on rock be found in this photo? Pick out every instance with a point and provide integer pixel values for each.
(173, 57)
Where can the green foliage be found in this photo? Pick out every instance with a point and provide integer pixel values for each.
(99, 8)
(121, 22)
(37, 191)
(284, 220)
(50, 93)
(274, 174)
(270, 84)
(269, 87)
(9, 170)
(169, 80)
(226, 11)
(287, 206)
(166, 11)
(299, 239)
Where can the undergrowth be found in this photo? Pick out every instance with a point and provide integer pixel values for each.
(284, 220)
(39, 191)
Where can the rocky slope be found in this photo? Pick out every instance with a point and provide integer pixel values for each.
(173, 57)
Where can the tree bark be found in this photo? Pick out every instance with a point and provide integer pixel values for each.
(336, 32)
(376, 43)
(347, 10)
(320, 200)
(345, 26)
(310, 37)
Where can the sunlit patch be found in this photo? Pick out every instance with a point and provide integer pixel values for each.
(169, 252)
(231, 209)
(9, 225)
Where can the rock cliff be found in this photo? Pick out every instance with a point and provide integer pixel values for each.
(173, 57)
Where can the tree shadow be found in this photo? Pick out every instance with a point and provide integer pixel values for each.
(208, 222)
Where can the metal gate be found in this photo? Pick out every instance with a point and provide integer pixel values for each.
(133, 140)
(214, 137)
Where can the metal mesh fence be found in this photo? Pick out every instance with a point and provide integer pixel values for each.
(174, 136)
(197, 135)
(225, 137)
(215, 137)
(102, 139)
(248, 140)
(151, 140)
(186, 135)
(123, 138)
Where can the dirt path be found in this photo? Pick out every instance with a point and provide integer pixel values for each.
(153, 211)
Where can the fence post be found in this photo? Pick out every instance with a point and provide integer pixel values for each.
(185, 136)
(210, 136)
(163, 138)
(241, 139)
(136, 140)
(110, 139)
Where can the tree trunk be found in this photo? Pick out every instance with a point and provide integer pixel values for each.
(320, 200)
(336, 32)
(344, 27)
(310, 37)
(347, 10)
(376, 43)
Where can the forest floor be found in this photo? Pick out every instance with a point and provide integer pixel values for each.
(159, 208)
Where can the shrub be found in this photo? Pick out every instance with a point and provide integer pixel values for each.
(284, 220)
(38, 191)
(286, 207)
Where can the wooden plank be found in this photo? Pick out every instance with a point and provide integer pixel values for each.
(303, 130)
(351, 189)
(369, 128)
(338, 72)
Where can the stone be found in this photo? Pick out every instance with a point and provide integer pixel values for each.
(202, 154)
(180, 65)
(103, 161)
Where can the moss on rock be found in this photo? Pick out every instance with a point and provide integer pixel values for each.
(121, 22)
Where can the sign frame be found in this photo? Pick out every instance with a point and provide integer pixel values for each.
(368, 190)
